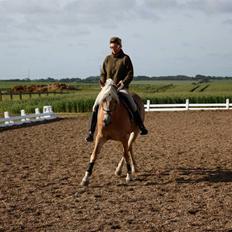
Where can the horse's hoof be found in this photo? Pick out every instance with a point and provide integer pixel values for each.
(128, 178)
(134, 170)
(118, 173)
(84, 183)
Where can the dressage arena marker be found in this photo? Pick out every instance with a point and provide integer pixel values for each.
(8, 121)
(187, 106)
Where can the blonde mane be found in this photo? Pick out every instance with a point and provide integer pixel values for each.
(107, 90)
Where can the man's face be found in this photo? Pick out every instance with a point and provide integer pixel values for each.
(115, 48)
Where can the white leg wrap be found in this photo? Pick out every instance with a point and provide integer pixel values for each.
(128, 177)
(133, 169)
(85, 180)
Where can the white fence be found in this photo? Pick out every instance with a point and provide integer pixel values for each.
(187, 106)
(8, 120)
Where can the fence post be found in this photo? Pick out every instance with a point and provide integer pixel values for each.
(148, 105)
(187, 104)
(46, 111)
(227, 103)
(24, 114)
(0, 95)
(37, 112)
(7, 116)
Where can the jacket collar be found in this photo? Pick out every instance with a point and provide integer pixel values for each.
(119, 54)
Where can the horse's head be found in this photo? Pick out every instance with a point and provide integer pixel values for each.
(108, 100)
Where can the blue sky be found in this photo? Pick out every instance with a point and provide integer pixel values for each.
(69, 38)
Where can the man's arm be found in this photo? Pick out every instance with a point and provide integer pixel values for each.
(130, 72)
(103, 72)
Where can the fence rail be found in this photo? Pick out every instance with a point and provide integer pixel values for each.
(187, 106)
(8, 120)
(20, 95)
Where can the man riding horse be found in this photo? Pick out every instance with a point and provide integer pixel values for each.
(119, 68)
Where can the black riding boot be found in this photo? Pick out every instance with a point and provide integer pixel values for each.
(139, 122)
(93, 123)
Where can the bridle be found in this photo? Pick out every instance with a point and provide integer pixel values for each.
(108, 110)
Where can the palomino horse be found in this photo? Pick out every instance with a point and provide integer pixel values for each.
(114, 123)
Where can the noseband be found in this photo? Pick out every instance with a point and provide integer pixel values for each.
(107, 110)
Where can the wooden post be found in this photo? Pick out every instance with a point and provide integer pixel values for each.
(0, 95)
(187, 104)
(11, 95)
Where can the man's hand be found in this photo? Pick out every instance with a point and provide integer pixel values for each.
(102, 84)
(120, 85)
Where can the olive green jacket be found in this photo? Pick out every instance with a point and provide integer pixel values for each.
(117, 67)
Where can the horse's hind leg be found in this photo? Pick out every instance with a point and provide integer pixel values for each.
(132, 138)
(127, 159)
(133, 163)
(98, 145)
(118, 170)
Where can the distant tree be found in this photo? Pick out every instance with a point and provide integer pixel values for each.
(91, 79)
(68, 80)
(142, 78)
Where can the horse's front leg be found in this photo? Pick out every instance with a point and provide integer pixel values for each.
(97, 148)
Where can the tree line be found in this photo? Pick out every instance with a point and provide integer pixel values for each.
(198, 77)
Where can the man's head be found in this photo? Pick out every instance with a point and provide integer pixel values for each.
(115, 44)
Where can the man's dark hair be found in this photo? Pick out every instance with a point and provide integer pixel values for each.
(116, 40)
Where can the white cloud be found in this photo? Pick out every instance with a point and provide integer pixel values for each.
(42, 16)
(228, 21)
(71, 27)
(209, 6)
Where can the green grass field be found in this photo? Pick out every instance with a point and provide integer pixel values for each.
(82, 100)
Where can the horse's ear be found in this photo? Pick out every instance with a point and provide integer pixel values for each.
(102, 84)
